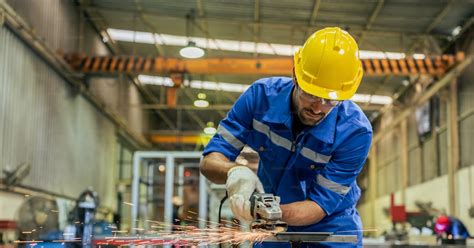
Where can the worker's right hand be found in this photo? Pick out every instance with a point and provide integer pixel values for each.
(241, 184)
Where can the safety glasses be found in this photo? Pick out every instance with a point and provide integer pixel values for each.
(313, 99)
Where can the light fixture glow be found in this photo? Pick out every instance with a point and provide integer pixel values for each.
(418, 56)
(231, 87)
(191, 51)
(195, 84)
(374, 99)
(210, 129)
(164, 81)
(230, 45)
(201, 103)
(456, 31)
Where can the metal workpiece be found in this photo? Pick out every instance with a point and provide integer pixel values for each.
(311, 237)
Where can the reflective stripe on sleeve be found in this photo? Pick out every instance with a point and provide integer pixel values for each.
(314, 156)
(332, 186)
(230, 138)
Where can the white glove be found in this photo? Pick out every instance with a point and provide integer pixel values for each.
(240, 185)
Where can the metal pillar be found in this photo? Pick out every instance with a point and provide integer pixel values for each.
(170, 157)
(404, 158)
(453, 146)
(373, 184)
(169, 180)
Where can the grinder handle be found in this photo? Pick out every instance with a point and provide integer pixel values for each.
(253, 200)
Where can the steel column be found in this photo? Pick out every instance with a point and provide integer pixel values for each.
(453, 146)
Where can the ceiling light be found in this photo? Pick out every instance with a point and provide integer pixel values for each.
(191, 51)
(195, 84)
(456, 31)
(201, 103)
(374, 99)
(202, 96)
(418, 56)
(163, 81)
(210, 129)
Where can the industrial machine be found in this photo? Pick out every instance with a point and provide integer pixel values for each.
(37, 219)
(83, 217)
(399, 215)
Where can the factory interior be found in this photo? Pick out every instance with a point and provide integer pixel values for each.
(118, 125)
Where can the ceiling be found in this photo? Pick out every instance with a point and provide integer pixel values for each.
(408, 26)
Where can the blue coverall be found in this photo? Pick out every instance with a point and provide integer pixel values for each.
(457, 229)
(320, 164)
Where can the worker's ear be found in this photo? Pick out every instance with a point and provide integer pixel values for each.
(294, 77)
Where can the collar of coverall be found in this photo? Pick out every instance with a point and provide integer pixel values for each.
(280, 112)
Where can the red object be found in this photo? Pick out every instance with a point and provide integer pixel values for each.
(7, 225)
(398, 213)
(442, 224)
(443, 220)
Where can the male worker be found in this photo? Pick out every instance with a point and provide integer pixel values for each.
(450, 228)
(311, 139)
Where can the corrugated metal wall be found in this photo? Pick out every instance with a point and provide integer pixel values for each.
(123, 98)
(69, 144)
(57, 22)
(61, 26)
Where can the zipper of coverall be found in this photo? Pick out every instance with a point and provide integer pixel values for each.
(296, 141)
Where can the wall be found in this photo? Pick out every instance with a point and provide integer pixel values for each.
(68, 142)
(63, 29)
(428, 160)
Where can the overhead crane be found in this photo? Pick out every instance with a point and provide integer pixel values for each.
(430, 65)
(435, 66)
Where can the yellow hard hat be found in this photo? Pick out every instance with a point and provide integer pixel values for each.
(328, 64)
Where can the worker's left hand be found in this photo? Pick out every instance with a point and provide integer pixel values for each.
(241, 184)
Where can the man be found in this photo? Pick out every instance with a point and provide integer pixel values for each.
(450, 228)
(311, 139)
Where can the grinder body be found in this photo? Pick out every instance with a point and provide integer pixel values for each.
(266, 211)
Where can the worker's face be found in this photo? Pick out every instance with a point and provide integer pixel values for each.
(310, 109)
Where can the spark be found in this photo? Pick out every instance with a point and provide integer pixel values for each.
(179, 235)
(189, 235)
(27, 241)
